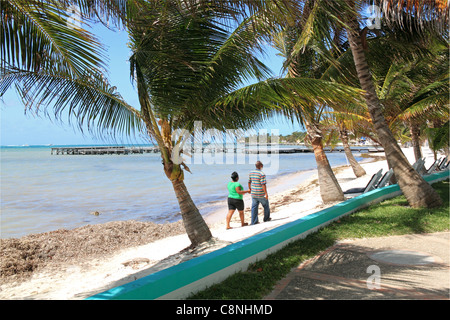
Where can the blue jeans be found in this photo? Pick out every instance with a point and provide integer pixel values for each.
(255, 204)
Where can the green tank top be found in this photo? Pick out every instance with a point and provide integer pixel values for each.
(232, 190)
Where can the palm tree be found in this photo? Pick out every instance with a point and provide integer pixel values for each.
(330, 189)
(342, 123)
(429, 97)
(49, 61)
(308, 65)
(324, 19)
(412, 87)
(52, 69)
(416, 190)
(182, 62)
(415, 77)
(185, 62)
(188, 67)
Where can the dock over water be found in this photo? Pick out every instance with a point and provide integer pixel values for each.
(105, 150)
(309, 150)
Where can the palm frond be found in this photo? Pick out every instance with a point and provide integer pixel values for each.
(349, 117)
(88, 99)
(321, 26)
(190, 60)
(35, 34)
(277, 12)
(293, 97)
(433, 107)
(430, 14)
(108, 12)
(438, 138)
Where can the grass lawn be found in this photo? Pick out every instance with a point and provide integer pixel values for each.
(390, 217)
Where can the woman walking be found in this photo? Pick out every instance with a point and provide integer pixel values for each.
(235, 199)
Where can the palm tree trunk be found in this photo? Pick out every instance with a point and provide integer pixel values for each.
(356, 167)
(194, 224)
(416, 190)
(415, 140)
(196, 227)
(330, 190)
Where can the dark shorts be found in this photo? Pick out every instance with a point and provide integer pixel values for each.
(234, 204)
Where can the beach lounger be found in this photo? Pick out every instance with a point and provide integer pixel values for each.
(445, 166)
(441, 165)
(370, 185)
(419, 165)
(385, 179)
(432, 168)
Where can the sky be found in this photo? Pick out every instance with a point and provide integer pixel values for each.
(19, 128)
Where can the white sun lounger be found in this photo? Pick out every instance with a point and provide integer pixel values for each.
(385, 179)
(442, 165)
(419, 165)
(371, 185)
(432, 168)
(445, 166)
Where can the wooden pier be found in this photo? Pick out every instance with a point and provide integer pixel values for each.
(370, 149)
(102, 150)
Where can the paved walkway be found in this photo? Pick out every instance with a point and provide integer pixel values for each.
(398, 267)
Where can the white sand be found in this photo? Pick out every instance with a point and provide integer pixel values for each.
(90, 277)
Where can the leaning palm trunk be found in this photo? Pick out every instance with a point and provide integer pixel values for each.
(416, 190)
(415, 140)
(356, 167)
(196, 227)
(330, 190)
(194, 224)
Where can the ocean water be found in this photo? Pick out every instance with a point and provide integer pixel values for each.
(41, 192)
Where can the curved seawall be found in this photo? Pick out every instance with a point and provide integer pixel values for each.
(182, 280)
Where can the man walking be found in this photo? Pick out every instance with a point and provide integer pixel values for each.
(258, 190)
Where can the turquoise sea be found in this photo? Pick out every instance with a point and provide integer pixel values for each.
(42, 192)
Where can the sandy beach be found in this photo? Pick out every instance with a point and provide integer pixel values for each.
(78, 263)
